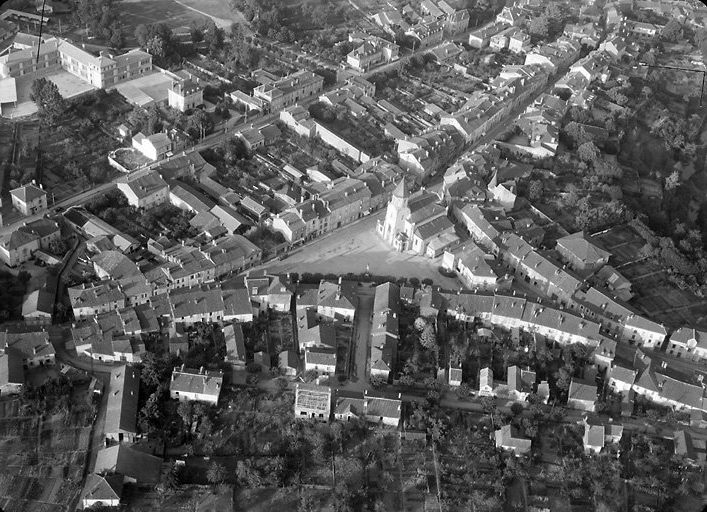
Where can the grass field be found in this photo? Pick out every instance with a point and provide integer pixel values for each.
(178, 14)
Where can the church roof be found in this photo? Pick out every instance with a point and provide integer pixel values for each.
(402, 190)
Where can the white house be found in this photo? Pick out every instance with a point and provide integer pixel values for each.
(185, 95)
(195, 385)
(320, 360)
(154, 147)
(312, 402)
(486, 382)
(582, 396)
(102, 490)
(29, 199)
(145, 191)
(643, 332)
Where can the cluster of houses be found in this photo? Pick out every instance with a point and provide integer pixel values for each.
(314, 402)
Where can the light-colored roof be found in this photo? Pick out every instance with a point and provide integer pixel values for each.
(130, 462)
(8, 90)
(187, 380)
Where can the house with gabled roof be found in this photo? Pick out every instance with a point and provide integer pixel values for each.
(598, 434)
(337, 300)
(235, 345)
(520, 383)
(580, 253)
(38, 307)
(192, 385)
(472, 266)
(136, 466)
(91, 299)
(604, 353)
(29, 199)
(509, 438)
(643, 332)
(621, 379)
(688, 343)
(486, 387)
(381, 409)
(121, 413)
(384, 329)
(454, 375)
(582, 396)
(269, 291)
(12, 375)
(101, 490)
(145, 191)
(320, 360)
(17, 247)
(692, 450)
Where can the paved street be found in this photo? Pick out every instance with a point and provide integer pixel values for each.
(361, 340)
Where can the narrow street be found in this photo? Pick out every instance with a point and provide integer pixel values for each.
(360, 341)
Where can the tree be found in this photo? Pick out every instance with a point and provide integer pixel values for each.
(216, 473)
(50, 103)
(539, 27)
(672, 31)
(214, 38)
(673, 180)
(428, 337)
(535, 190)
(517, 408)
(420, 323)
(588, 152)
(196, 32)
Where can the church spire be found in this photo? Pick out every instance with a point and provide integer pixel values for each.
(402, 190)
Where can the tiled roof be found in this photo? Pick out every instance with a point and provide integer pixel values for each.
(29, 344)
(382, 407)
(582, 391)
(319, 356)
(147, 184)
(584, 250)
(186, 380)
(11, 371)
(121, 414)
(103, 488)
(130, 462)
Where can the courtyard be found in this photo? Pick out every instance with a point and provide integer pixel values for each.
(357, 248)
(146, 89)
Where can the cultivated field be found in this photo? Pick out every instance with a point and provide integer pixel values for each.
(43, 460)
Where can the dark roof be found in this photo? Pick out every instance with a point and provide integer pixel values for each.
(129, 461)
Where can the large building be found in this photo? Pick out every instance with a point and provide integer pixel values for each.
(100, 71)
(413, 220)
(289, 89)
(29, 199)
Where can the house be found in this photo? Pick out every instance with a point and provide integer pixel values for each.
(288, 363)
(513, 16)
(384, 329)
(312, 402)
(101, 490)
(520, 383)
(597, 434)
(191, 385)
(604, 353)
(91, 299)
(372, 52)
(17, 247)
(155, 146)
(336, 300)
(582, 396)
(454, 375)
(472, 267)
(580, 253)
(298, 119)
(486, 382)
(136, 466)
(519, 42)
(235, 345)
(145, 191)
(320, 360)
(29, 199)
(690, 449)
(12, 375)
(46, 230)
(643, 332)
(688, 343)
(621, 379)
(189, 199)
(33, 347)
(121, 413)
(508, 438)
(38, 307)
(382, 410)
(289, 90)
(185, 95)
(269, 292)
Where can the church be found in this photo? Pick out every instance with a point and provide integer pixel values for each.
(416, 221)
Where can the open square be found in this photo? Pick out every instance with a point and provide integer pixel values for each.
(146, 89)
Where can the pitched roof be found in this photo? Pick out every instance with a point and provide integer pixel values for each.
(103, 488)
(382, 407)
(187, 380)
(29, 344)
(579, 246)
(121, 414)
(28, 193)
(318, 356)
(582, 391)
(508, 437)
(235, 343)
(129, 461)
(11, 371)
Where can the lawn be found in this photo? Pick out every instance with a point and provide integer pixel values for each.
(132, 13)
